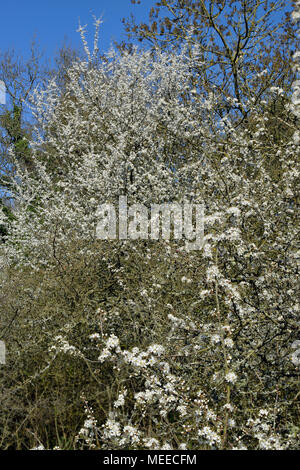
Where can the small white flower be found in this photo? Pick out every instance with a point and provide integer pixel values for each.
(229, 343)
(167, 446)
(182, 446)
(231, 377)
(156, 349)
(182, 410)
(228, 407)
(234, 211)
(215, 339)
(112, 342)
(121, 399)
(263, 412)
(95, 336)
(212, 273)
(151, 443)
(104, 355)
(133, 434)
(111, 429)
(211, 436)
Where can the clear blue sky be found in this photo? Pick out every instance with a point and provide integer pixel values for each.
(54, 20)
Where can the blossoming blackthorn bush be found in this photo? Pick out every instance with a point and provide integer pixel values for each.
(139, 344)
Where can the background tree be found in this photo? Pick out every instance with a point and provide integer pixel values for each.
(245, 47)
(21, 76)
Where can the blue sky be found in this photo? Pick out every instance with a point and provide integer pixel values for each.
(54, 20)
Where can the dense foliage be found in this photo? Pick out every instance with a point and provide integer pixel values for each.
(137, 344)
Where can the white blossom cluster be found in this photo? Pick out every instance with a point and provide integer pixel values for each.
(295, 107)
(192, 343)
